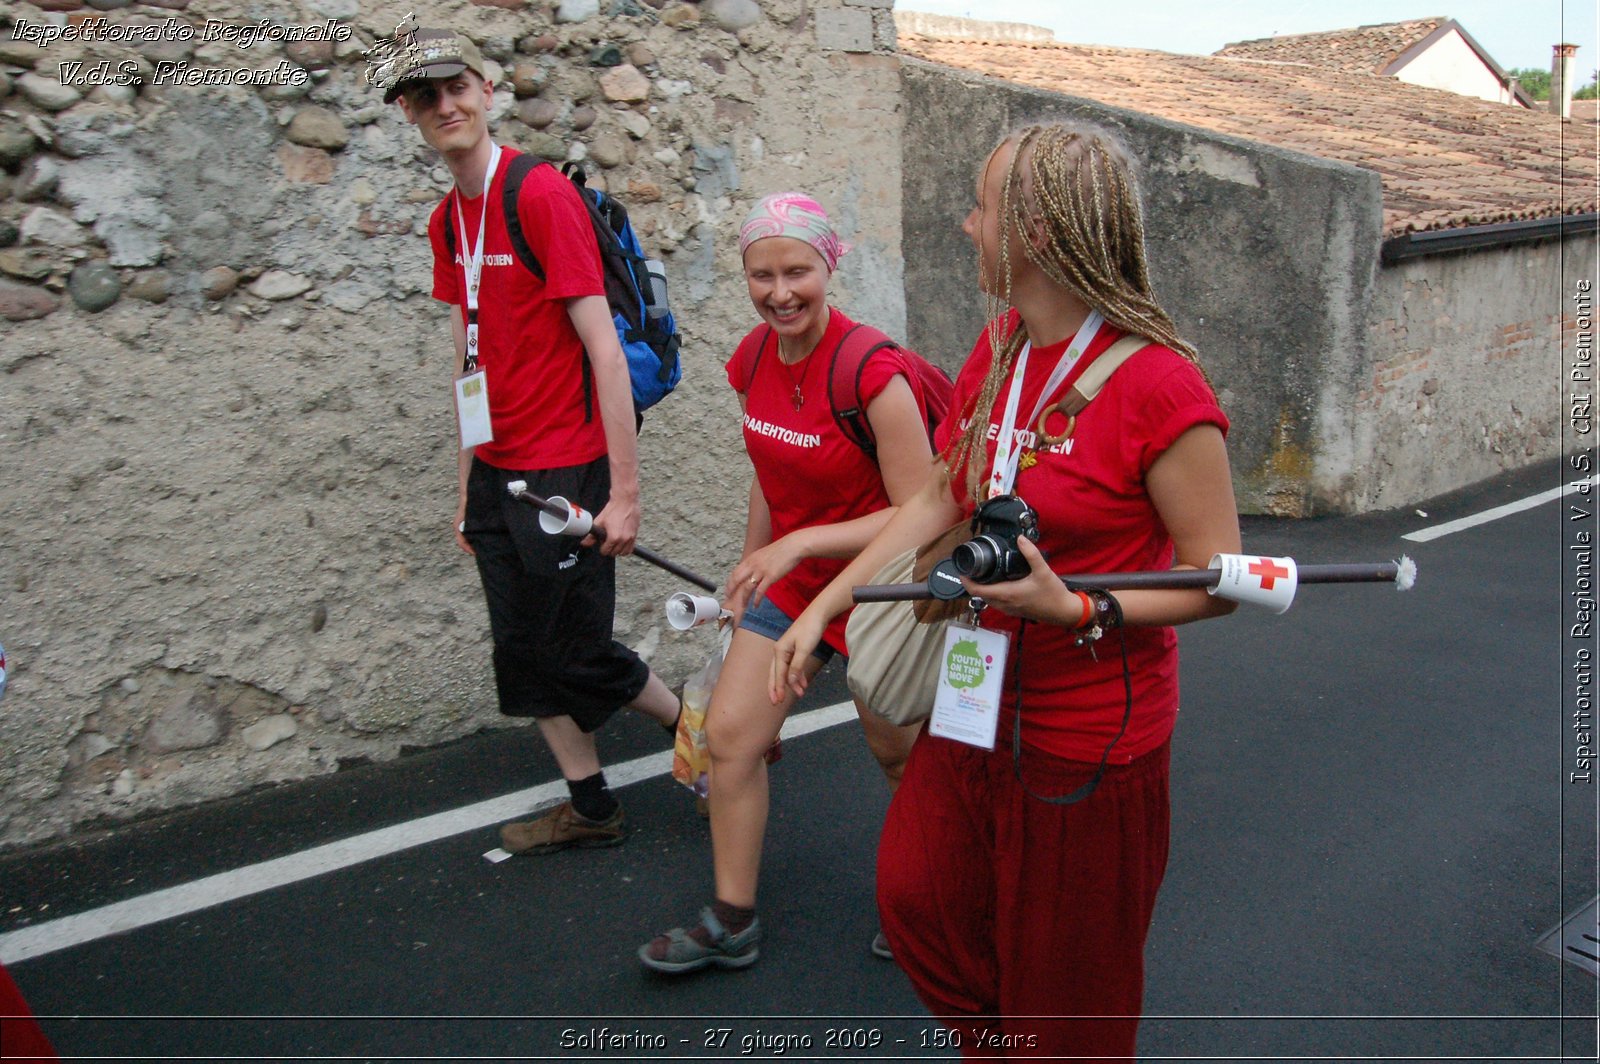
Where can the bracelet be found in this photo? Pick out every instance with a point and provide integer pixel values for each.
(1085, 618)
(1105, 609)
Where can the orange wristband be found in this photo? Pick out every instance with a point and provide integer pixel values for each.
(1088, 611)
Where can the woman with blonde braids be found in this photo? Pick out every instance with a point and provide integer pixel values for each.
(1016, 885)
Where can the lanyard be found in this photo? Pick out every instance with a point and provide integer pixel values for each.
(1007, 453)
(472, 257)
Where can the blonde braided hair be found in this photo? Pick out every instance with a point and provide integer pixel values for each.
(1070, 201)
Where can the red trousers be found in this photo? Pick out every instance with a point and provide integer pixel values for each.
(1022, 924)
(20, 1037)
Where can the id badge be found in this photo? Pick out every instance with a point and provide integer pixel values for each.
(972, 674)
(472, 410)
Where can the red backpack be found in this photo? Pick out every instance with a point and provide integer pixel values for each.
(844, 383)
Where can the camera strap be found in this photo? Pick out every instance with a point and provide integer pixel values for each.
(1007, 451)
(1105, 755)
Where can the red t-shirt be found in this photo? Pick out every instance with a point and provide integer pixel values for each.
(1094, 516)
(529, 351)
(809, 472)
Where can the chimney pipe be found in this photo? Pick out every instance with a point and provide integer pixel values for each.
(1513, 83)
(1561, 79)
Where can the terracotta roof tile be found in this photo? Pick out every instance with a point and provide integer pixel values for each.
(1363, 50)
(1446, 160)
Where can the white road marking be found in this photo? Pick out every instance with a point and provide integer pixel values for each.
(114, 919)
(1424, 535)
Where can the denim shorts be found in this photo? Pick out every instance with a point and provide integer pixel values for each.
(768, 620)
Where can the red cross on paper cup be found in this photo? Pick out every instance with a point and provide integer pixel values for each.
(1268, 582)
(578, 521)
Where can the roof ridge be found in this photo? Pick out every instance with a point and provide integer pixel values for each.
(1433, 21)
(1445, 160)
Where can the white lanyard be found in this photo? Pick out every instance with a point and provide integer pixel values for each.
(472, 257)
(1007, 453)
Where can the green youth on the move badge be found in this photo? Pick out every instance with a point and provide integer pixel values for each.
(967, 705)
(964, 666)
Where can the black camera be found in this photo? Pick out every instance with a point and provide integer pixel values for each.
(991, 555)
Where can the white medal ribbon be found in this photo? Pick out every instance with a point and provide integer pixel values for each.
(966, 704)
(472, 387)
(472, 257)
(1007, 453)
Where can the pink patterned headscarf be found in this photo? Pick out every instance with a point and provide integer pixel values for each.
(793, 214)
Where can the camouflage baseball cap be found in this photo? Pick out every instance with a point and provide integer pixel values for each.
(433, 54)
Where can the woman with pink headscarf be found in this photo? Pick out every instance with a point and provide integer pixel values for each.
(816, 499)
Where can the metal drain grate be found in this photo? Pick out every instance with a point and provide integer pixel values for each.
(1576, 940)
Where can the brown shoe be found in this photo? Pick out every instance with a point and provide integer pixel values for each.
(562, 827)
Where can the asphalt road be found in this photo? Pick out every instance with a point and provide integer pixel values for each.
(1373, 823)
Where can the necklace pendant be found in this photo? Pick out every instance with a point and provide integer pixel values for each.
(797, 398)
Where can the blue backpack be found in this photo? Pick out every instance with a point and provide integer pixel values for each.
(636, 287)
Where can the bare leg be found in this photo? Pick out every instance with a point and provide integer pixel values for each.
(740, 724)
(656, 701)
(889, 743)
(573, 748)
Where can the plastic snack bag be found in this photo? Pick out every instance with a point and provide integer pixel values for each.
(691, 764)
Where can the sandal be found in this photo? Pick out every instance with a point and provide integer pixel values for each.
(681, 953)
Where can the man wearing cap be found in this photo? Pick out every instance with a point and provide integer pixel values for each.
(523, 347)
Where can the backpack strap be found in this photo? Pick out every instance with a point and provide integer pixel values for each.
(1088, 385)
(844, 385)
(753, 360)
(450, 230)
(516, 172)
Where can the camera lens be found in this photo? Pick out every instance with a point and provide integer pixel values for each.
(978, 558)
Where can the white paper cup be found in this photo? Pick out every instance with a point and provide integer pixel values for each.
(685, 611)
(577, 523)
(1269, 582)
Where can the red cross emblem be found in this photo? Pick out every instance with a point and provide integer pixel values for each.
(1269, 571)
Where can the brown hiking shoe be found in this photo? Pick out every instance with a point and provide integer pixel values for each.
(562, 827)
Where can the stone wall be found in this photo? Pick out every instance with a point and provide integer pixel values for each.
(1466, 374)
(226, 558)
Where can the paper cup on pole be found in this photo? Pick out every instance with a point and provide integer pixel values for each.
(685, 611)
(577, 523)
(1268, 582)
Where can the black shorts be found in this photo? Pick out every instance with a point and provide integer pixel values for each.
(551, 602)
